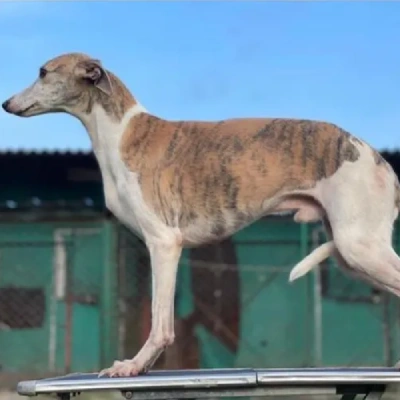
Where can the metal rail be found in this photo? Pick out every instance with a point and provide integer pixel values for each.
(197, 384)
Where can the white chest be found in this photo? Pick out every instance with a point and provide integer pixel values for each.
(122, 191)
(123, 196)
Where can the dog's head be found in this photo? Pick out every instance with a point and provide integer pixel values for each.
(67, 83)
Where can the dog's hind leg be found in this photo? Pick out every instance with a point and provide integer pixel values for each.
(375, 262)
(362, 237)
(361, 206)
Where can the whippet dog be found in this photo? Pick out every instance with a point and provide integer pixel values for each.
(183, 184)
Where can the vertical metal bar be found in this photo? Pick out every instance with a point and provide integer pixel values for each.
(303, 239)
(396, 311)
(318, 317)
(122, 280)
(69, 307)
(317, 304)
(386, 329)
(109, 292)
(57, 289)
(304, 232)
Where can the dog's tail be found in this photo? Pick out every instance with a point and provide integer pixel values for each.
(312, 260)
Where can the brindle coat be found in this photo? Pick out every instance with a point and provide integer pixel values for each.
(211, 169)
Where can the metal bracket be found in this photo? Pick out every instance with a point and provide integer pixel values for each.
(373, 395)
(67, 395)
(370, 392)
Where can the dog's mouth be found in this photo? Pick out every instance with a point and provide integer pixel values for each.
(24, 112)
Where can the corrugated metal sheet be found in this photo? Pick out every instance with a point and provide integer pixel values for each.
(21, 151)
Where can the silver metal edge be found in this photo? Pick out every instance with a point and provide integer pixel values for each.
(214, 380)
(327, 376)
(27, 388)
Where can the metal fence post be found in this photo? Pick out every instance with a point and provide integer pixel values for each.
(109, 295)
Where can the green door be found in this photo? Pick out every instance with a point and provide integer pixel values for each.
(78, 300)
(276, 319)
(353, 318)
(26, 258)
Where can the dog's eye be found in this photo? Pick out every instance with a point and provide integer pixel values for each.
(42, 73)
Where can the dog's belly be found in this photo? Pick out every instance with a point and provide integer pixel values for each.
(204, 229)
(224, 223)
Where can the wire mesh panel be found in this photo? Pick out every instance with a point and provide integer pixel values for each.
(134, 292)
(25, 305)
(52, 296)
(355, 318)
(234, 306)
(79, 301)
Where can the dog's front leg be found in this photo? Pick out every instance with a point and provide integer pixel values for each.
(164, 264)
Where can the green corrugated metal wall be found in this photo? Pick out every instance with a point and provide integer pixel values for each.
(25, 347)
(281, 326)
(279, 323)
(83, 259)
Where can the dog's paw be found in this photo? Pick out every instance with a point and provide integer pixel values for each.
(121, 369)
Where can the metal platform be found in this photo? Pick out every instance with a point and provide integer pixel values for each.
(196, 384)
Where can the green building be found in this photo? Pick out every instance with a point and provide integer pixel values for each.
(75, 286)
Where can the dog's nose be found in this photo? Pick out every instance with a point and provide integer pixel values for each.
(5, 105)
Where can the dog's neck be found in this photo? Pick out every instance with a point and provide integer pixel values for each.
(106, 132)
(107, 116)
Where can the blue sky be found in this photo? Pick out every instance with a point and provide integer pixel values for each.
(331, 61)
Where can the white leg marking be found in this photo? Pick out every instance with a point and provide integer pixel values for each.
(164, 265)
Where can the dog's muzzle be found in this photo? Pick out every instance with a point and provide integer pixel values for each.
(6, 105)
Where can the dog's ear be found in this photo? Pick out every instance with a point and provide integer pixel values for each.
(93, 71)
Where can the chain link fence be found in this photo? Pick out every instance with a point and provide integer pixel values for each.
(234, 307)
(51, 295)
(25, 285)
(233, 313)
